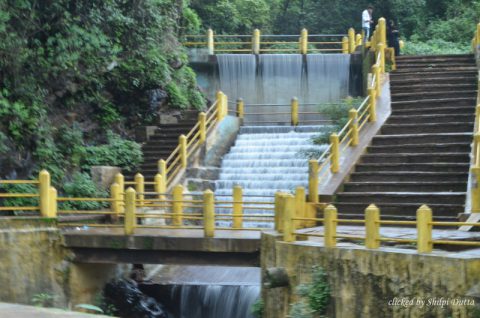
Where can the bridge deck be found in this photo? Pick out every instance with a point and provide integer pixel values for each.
(164, 246)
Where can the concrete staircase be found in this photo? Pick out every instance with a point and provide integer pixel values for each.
(161, 144)
(422, 154)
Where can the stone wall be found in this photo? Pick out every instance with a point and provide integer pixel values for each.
(363, 282)
(33, 261)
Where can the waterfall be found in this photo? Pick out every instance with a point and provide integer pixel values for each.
(264, 160)
(237, 76)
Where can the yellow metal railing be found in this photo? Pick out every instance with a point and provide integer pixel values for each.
(475, 166)
(256, 43)
(348, 136)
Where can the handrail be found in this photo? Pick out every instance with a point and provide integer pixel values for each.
(475, 164)
(216, 43)
(352, 129)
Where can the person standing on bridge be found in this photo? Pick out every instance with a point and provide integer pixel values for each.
(366, 22)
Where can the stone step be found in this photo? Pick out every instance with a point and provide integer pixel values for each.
(417, 148)
(415, 157)
(419, 96)
(434, 102)
(457, 198)
(413, 167)
(435, 118)
(422, 138)
(448, 110)
(409, 176)
(433, 64)
(458, 69)
(425, 86)
(399, 211)
(396, 129)
(394, 76)
(402, 81)
(160, 146)
(395, 186)
(436, 57)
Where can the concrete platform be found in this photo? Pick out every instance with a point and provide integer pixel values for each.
(23, 311)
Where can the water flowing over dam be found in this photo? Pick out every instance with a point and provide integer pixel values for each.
(276, 78)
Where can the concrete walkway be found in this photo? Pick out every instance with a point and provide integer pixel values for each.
(23, 311)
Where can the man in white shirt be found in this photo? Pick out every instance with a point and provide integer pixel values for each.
(366, 21)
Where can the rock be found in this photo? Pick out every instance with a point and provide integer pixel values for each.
(143, 133)
(103, 176)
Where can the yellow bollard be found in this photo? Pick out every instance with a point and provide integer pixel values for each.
(475, 190)
(240, 108)
(182, 141)
(208, 214)
(202, 120)
(160, 186)
(345, 45)
(330, 226)
(376, 71)
(220, 104)
(237, 207)
(210, 42)
(288, 214)
(300, 207)
(53, 203)
(120, 180)
(44, 184)
(115, 196)
(313, 181)
(372, 227)
(304, 42)
(278, 210)
(353, 116)
(256, 42)
(351, 40)
(478, 35)
(140, 189)
(424, 229)
(358, 39)
(280, 216)
(294, 111)
(162, 169)
(372, 105)
(335, 151)
(382, 28)
(130, 207)
(381, 50)
(177, 205)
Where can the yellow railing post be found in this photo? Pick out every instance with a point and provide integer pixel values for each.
(162, 169)
(351, 40)
(335, 151)
(210, 42)
(376, 71)
(345, 45)
(177, 205)
(304, 41)
(358, 39)
(372, 105)
(300, 208)
(115, 196)
(120, 180)
(330, 226)
(256, 42)
(313, 181)
(372, 227)
(202, 120)
(393, 59)
(140, 188)
(237, 207)
(288, 214)
(182, 141)
(130, 207)
(240, 108)
(160, 186)
(208, 213)
(424, 229)
(220, 105)
(294, 111)
(477, 36)
(382, 27)
(53, 203)
(278, 209)
(381, 50)
(475, 190)
(353, 116)
(280, 217)
(44, 184)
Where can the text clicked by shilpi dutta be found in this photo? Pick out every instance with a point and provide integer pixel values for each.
(430, 302)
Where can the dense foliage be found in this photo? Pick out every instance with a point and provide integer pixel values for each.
(419, 20)
(71, 71)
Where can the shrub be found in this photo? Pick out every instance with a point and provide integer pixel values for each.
(314, 296)
(436, 46)
(258, 308)
(82, 186)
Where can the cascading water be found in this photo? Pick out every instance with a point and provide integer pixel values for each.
(264, 160)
